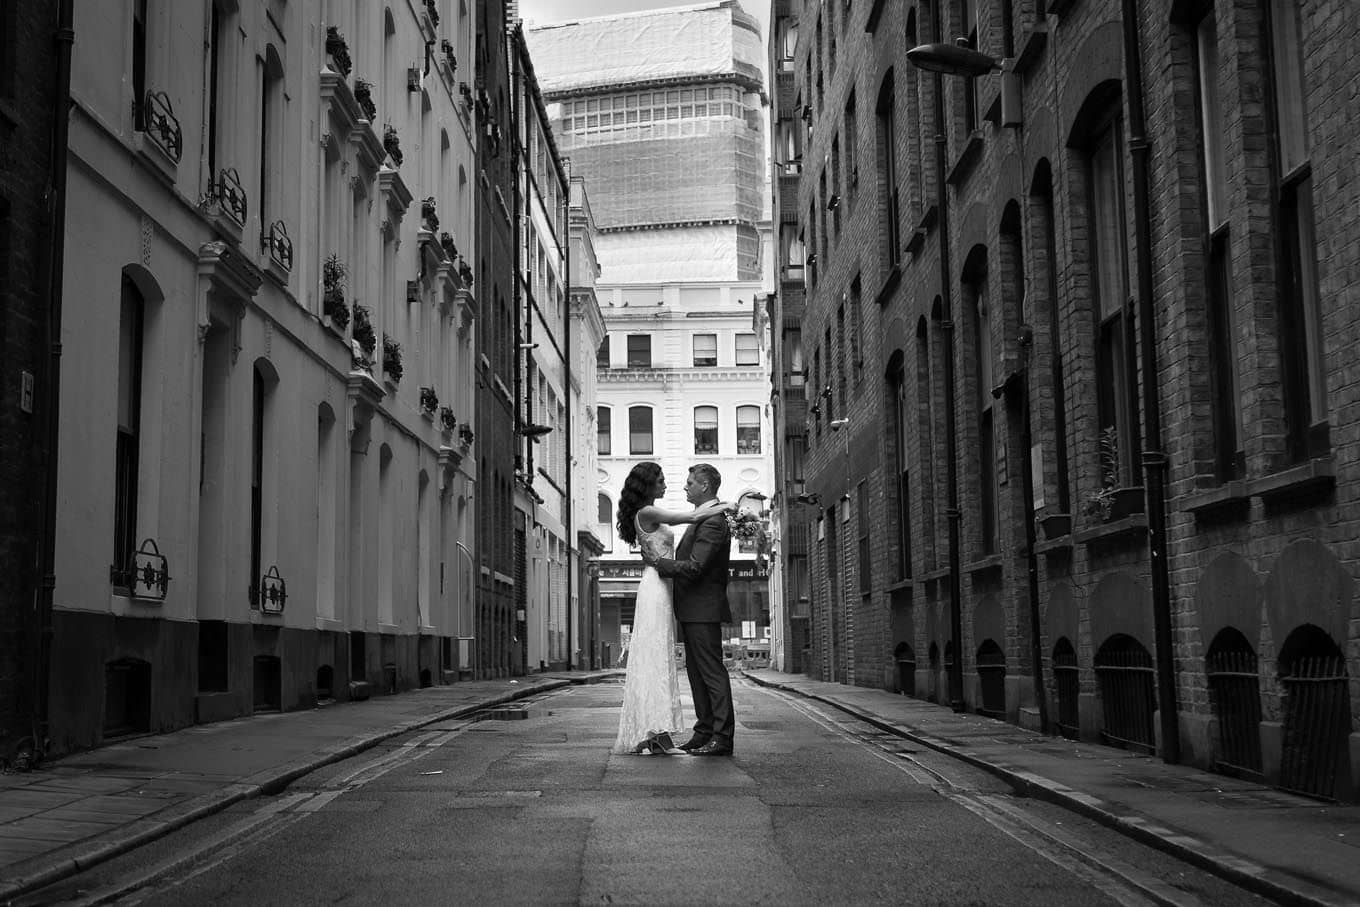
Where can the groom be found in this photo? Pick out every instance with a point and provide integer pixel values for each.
(699, 570)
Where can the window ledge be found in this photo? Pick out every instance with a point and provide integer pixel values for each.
(1225, 497)
(1056, 546)
(967, 159)
(889, 285)
(901, 584)
(983, 565)
(933, 575)
(1136, 524)
(1314, 477)
(1031, 47)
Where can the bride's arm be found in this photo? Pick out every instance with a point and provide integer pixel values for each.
(651, 514)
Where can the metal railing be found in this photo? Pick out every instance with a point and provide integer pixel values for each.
(1235, 692)
(1067, 679)
(1128, 690)
(156, 117)
(1317, 723)
(991, 671)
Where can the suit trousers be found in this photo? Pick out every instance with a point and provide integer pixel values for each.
(709, 682)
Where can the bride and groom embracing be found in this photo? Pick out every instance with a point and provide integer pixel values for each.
(688, 584)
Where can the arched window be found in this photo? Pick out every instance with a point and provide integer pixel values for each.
(263, 381)
(748, 429)
(640, 430)
(885, 116)
(271, 134)
(705, 429)
(604, 521)
(976, 296)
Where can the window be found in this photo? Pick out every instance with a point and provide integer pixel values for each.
(639, 351)
(138, 64)
(705, 429)
(897, 391)
(640, 430)
(856, 329)
(129, 424)
(851, 158)
(865, 526)
(705, 350)
(1109, 265)
(834, 200)
(271, 123)
(1042, 211)
(602, 354)
(604, 522)
(603, 431)
(969, 27)
(1300, 322)
(1224, 396)
(215, 93)
(258, 445)
(975, 292)
(748, 429)
(841, 383)
(748, 353)
(886, 136)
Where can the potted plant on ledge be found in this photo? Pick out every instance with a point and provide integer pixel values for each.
(391, 365)
(465, 434)
(333, 306)
(392, 144)
(1113, 501)
(429, 402)
(447, 421)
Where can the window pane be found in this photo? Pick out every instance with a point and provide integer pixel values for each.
(1211, 122)
(640, 430)
(706, 350)
(639, 351)
(1107, 216)
(748, 429)
(747, 352)
(603, 431)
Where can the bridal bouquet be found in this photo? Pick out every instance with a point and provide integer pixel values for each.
(744, 523)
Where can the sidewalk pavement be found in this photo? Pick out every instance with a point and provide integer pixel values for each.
(1284, 847)
(94, 805)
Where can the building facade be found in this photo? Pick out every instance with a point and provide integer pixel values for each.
(267, 459)
(543, 391)
(662, 114)
(31, 86)
(1076, 338)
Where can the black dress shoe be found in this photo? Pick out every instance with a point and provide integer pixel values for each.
(694, 743)
(713, 748)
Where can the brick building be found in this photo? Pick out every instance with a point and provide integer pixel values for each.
(29, 89)
(1027, 497)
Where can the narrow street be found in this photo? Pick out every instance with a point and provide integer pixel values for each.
(525, 805)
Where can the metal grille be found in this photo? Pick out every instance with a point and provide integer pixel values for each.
(1317, 722)
(1235, 690)
(933, 693)
(1067, 678)
(906, 669)
(991, 669)
(1128, 692)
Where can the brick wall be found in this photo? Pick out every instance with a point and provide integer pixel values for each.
(27, 73)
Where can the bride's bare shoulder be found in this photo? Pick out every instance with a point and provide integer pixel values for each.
(647, 518)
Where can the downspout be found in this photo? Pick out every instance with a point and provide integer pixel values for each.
(952, 512)
(512, 65)
(1154, 458)
(567, 361)
(49, 393)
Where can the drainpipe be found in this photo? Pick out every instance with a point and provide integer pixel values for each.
(1154, 458)
(952, 512)
(566, 393)
(49, 393)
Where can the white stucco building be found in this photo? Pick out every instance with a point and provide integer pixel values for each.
(246, 186)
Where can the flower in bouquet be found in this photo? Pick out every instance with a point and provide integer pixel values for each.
(744, 523)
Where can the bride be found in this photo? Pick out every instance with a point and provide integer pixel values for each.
(651, 693)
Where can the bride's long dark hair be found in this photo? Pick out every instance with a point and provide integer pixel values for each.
(639, 490)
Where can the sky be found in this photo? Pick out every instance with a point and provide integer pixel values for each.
(543, 12)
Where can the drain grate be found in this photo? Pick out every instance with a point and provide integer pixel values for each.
(510, 713)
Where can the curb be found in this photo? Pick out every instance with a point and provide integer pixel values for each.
(143, 831)
(1144, 829)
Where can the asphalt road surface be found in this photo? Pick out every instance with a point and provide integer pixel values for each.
(527, 805)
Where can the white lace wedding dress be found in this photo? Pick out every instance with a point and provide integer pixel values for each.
(651, 692)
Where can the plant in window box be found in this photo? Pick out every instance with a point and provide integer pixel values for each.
(447, 420)
(338, 50)
(465, 434)
(392, 359)
(333, 306)
(428, 214)
(363, 93)
(363, 330)
(432, 8)
(1113, 501)
(465, 271)
(446, 243)
(1055, 525)
(392, 144)
(429, 401)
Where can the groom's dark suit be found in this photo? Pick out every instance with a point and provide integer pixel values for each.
(699, 571)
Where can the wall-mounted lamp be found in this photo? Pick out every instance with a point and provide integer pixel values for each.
(958, 59)
(838, 424)
(528, 346)
(534, 431)
(833, 203)
(813, 498)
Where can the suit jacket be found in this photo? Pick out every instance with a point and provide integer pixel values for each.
(699, 570)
